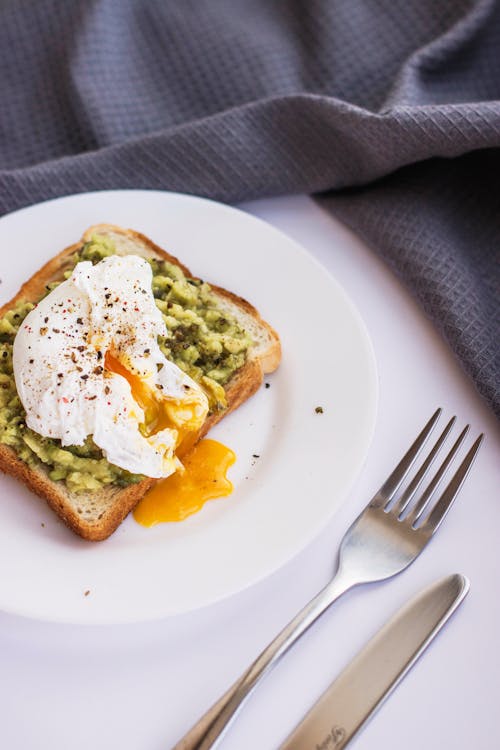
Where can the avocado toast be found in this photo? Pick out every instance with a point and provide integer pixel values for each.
(217, 338)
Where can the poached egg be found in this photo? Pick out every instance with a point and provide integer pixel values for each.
(87, 362)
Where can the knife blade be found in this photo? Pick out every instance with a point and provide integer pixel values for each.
(362, 687)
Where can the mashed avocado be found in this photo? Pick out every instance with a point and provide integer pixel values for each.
(203, 340)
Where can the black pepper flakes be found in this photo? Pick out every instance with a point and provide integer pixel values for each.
(319, 410)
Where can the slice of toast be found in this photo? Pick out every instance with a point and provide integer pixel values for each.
(95, 515)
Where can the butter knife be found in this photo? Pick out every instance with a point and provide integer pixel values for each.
(378, 668)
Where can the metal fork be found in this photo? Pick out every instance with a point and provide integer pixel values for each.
(384, 540)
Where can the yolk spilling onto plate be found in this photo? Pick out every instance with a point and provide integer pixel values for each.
(205, 465)
(182, 494)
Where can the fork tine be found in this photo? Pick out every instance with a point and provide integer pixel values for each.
(445, 502)
(416, 512)
(391, 484)
(409, 492)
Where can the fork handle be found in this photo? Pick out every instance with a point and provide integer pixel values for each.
(205, 733)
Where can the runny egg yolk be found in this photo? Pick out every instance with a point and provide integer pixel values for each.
(184, 493)
(159, 413)
(205, 465)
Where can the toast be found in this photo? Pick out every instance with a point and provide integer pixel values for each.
(95, 515)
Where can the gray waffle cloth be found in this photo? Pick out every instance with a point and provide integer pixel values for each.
(387, 110)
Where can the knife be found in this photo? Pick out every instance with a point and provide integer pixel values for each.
(378, 668)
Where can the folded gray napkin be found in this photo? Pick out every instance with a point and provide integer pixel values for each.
(387, 108)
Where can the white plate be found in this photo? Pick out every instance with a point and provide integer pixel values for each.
(307, 461)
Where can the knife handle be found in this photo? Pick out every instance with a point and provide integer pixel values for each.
(216, 720)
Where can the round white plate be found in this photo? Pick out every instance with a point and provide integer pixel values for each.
(306, 460)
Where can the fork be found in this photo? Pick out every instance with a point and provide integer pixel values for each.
(386, 538)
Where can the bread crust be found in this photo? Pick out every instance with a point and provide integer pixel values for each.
(120, 501)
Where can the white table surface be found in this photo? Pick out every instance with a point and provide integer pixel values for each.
(143, 686)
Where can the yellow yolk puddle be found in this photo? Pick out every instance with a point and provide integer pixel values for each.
(182, 494)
